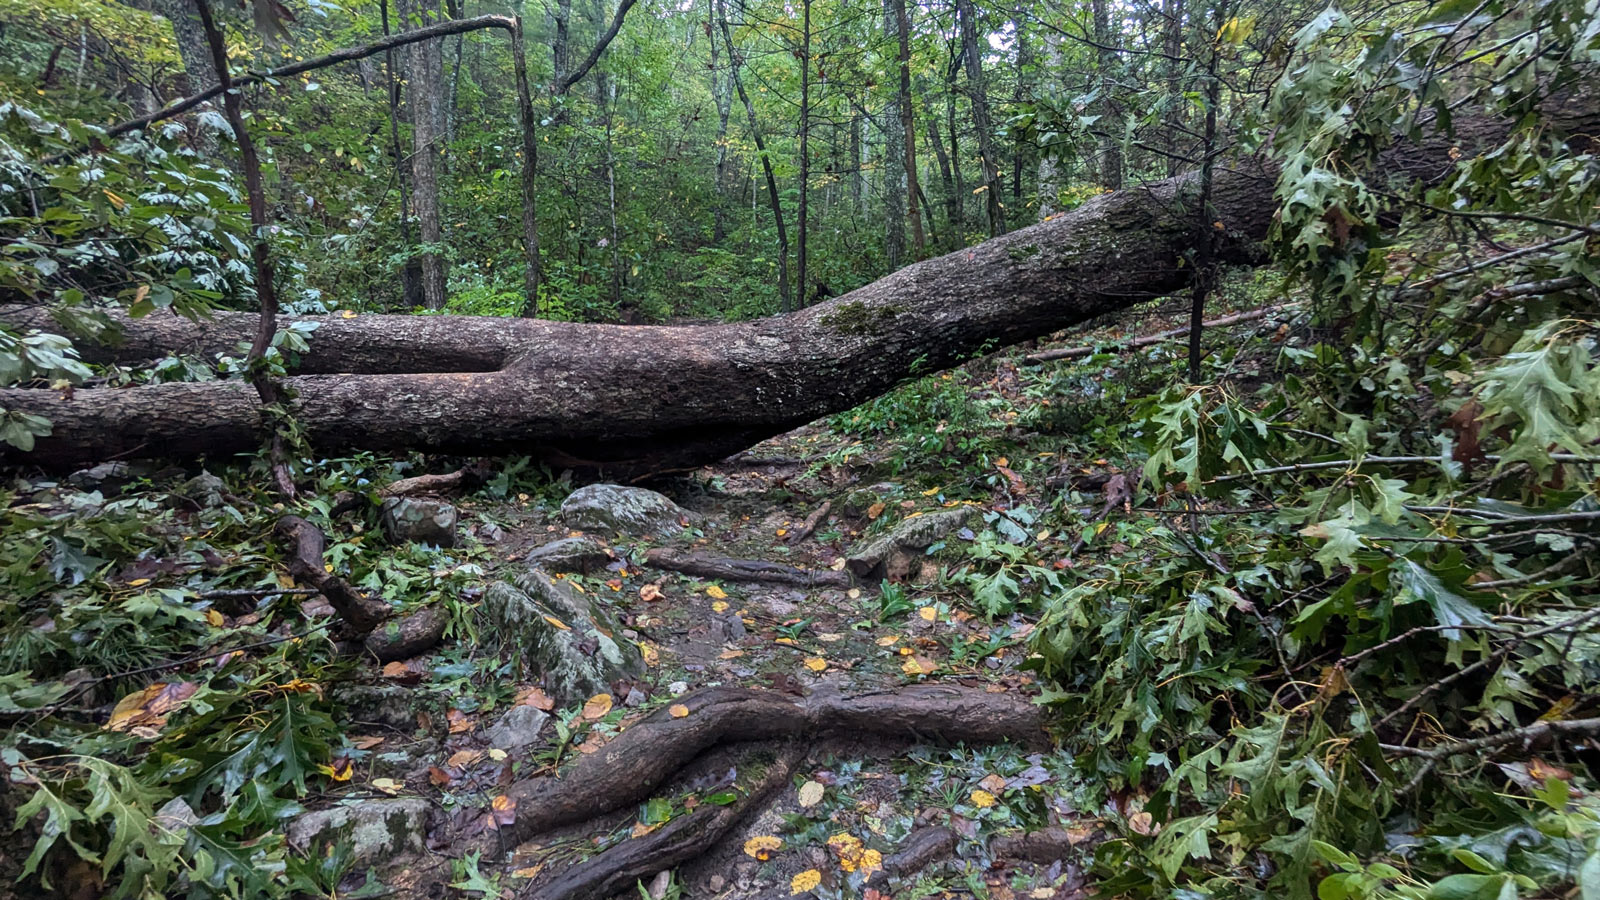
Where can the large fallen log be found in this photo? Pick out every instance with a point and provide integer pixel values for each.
(640, 398)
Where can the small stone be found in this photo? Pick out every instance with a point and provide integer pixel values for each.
(619, 509)
(635, 698)
(204, 489)
(573, 554)
(551, 632)
(490, 533)
(678, 688)
(716, 883)
(377, 704)
(895, 555)
(408, 519)
(373, 830)
(518, 728)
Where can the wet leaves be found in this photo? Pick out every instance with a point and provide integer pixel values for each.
(597, 707)
(811, 794)
(762, 846)
(805, 881)
(143, 713)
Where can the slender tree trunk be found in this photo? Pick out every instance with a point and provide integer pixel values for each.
(561, 45)
(410, 276)
(1172, 119)
(805, 149)
(1023, 92)
(908, 128)
(1049, 160)
(894, 158)
(722, 95)
(267, 390)
(973, 55)
(199, 71)
(858, 172)
(959, 226)
(766, 162)
(1205, 237)
(48, 79)
(530, 168)
(951, 199)
(422, 96)
(1111, 137)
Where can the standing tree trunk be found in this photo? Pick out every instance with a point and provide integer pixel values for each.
(423, 103)
(973, 56)
(1049, 161)
(805, 147)
(893, 159)
(1172, 117)
(959, 226)
(1204, 234)
(766, 162)
(952, 210)
(858, 169)
(1020, 95)
(199, 71)
(908, 128)
(410, 280)
(530, 168)
(1111, 129)
(722, 95)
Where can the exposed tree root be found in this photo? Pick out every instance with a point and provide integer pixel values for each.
(616, 870)
(812, 521)
(414, 634)
(923, 847)
(359, 612)
(642, 758)
(703, 566)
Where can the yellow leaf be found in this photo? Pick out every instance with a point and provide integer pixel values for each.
(787, 642)
(463, 758)
(719, 606)
(762, 846)
(558, 623)
(928, 613)
(816, 664)
(931, 491)
(871, 861)
(650, 593)
(804, 881)
(139, 582)
(652, 656)
(386, 785)
(214, 618)
(498, 755)
(811, 794)
(918, 665)
(347, 314)
(116, 201)
(678, 711)
(982, 799)
(597, 707)
(853, 593)
(889, 640)
(875, 510)
(529, 872)
(341, 770)
(717, 593)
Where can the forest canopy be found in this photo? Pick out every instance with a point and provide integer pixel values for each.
(1128, 448)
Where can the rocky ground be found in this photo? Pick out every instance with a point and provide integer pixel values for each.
(623, 604)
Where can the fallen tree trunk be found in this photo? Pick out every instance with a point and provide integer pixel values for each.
(1148, 340)
(632, 399)
(759, 570)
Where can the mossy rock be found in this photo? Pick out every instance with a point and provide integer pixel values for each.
(550, 631)
(624, 510)
(374, 830)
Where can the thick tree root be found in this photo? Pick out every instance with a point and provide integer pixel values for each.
(306, 541)
(616, 870)
(703, 566)
(642, 758)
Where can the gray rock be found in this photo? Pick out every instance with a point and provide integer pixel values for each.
(407, 519)
(618, 509)
(378, 704)
(573, 554)
(374, 830)
(518, 728)
(108, 478)
(893, 555)
(578, 654)
(205, 489)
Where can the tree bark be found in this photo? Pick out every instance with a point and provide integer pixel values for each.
(422, 102)
(1108, 40)
(802, 226)
(621, 400)
(973, 55)
(722, 95)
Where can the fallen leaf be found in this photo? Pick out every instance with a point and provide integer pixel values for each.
(1143, 823)
(918, 665)
(558, 623)
(811, 794)
(730, 654)
(147, 709)
(719, 606)
(364, 741)
(875, 510)
(982, 799)
(717, 593)
(762, 846)
(215, 619)
(652, 656)
(463, 758)
(529, 872)
(640, 829)
(650, 593)
(928, 613)
(816, 664)
(341, 770)
(439, 777)
(805, 881)
(992, 783)
(460, 722)
(498, 755)
(597, 707)
(889, 640)
(678, 711)
(385, 785)
(534, 697)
